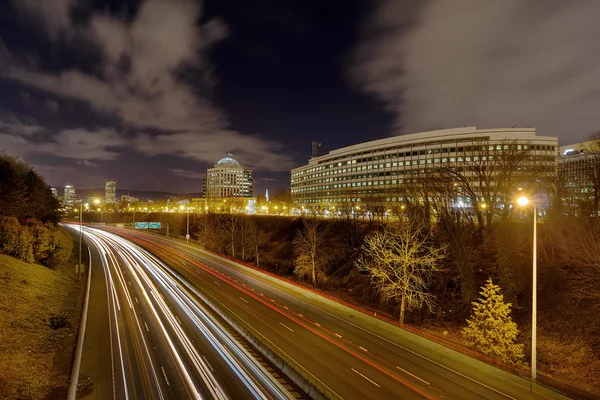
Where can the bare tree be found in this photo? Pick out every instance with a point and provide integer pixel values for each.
(489, 173)
(401, 261)
(229, 223)
(580, 245)
(256, 237)
(310, 252)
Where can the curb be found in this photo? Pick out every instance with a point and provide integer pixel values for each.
(72, 395)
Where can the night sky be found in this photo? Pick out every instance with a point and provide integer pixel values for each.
(157, 91)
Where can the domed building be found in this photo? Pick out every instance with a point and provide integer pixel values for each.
(228, 179)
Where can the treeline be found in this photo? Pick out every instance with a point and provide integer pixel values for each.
(24, 193)
(28, 216)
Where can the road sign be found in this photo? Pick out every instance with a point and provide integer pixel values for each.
(141, 225)
(154, 225)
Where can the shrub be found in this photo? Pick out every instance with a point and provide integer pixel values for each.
(15, 240)
(59, 321)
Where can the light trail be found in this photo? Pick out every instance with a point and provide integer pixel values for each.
(166, 302)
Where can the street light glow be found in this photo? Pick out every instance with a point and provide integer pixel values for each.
(522, 201)
(96, 201)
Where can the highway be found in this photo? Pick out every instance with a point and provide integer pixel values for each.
(352, 360)
(164, 343)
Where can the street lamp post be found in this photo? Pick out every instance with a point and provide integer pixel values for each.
(187, 234)
(97, 202)
(80, 239)
(523, 201)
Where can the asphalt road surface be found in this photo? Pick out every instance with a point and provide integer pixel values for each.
(162, 342)
(352, 359)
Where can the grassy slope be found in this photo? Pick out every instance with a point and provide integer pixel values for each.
(35, 360)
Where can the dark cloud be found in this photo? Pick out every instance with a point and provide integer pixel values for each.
(490, 64)
(140, 81)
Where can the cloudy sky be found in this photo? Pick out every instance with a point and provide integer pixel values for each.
(157, 90)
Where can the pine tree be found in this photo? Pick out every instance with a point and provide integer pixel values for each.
(491, 329)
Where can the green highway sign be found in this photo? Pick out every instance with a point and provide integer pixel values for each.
(154, 225)
(141, 225)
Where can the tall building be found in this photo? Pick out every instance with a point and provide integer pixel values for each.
(228, 179)
(384, 168)
(54, 192)
(110, 192)
(69, 193)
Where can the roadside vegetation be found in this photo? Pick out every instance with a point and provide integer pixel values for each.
(39, 310)
(40, 298)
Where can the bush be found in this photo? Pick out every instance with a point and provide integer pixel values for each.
(59, 321)
(15, 240)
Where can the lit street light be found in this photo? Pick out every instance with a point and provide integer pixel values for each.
(523, 201)
(97, 201)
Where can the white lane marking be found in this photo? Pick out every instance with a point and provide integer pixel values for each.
(165, 375)
(243, 299)
(362, 348)
(136, 300)
(146, 326)
(365, 377)
(337, 335)
(286, 327)
(217, 283)
(317, 324)
(207, 363)
(413, 375)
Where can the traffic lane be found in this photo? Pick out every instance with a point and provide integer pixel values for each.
(180, 373)
(96, 361)
(338, 368)
(166, 286)
(411, 364)
(135, 372)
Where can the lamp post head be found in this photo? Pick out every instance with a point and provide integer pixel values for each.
(522, 201)
(97, 201)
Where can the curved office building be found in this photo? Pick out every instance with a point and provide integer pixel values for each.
(382, 166)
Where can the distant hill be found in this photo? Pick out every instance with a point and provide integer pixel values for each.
(139, 194)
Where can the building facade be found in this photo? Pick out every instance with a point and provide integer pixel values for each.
(380, 168)
(579, 174)
(69, 196)
(228, 179)
(110, 192)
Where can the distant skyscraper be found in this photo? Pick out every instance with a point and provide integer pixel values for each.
(267, 195)
(54, 192)
(69, 193)
(110, 192)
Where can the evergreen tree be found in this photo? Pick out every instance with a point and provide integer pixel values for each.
(491, 329)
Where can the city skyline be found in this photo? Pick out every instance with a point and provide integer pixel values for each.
(265, 80)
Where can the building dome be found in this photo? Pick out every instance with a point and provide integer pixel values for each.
(229, 161)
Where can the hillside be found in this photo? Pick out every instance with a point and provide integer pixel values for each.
(35, 359)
